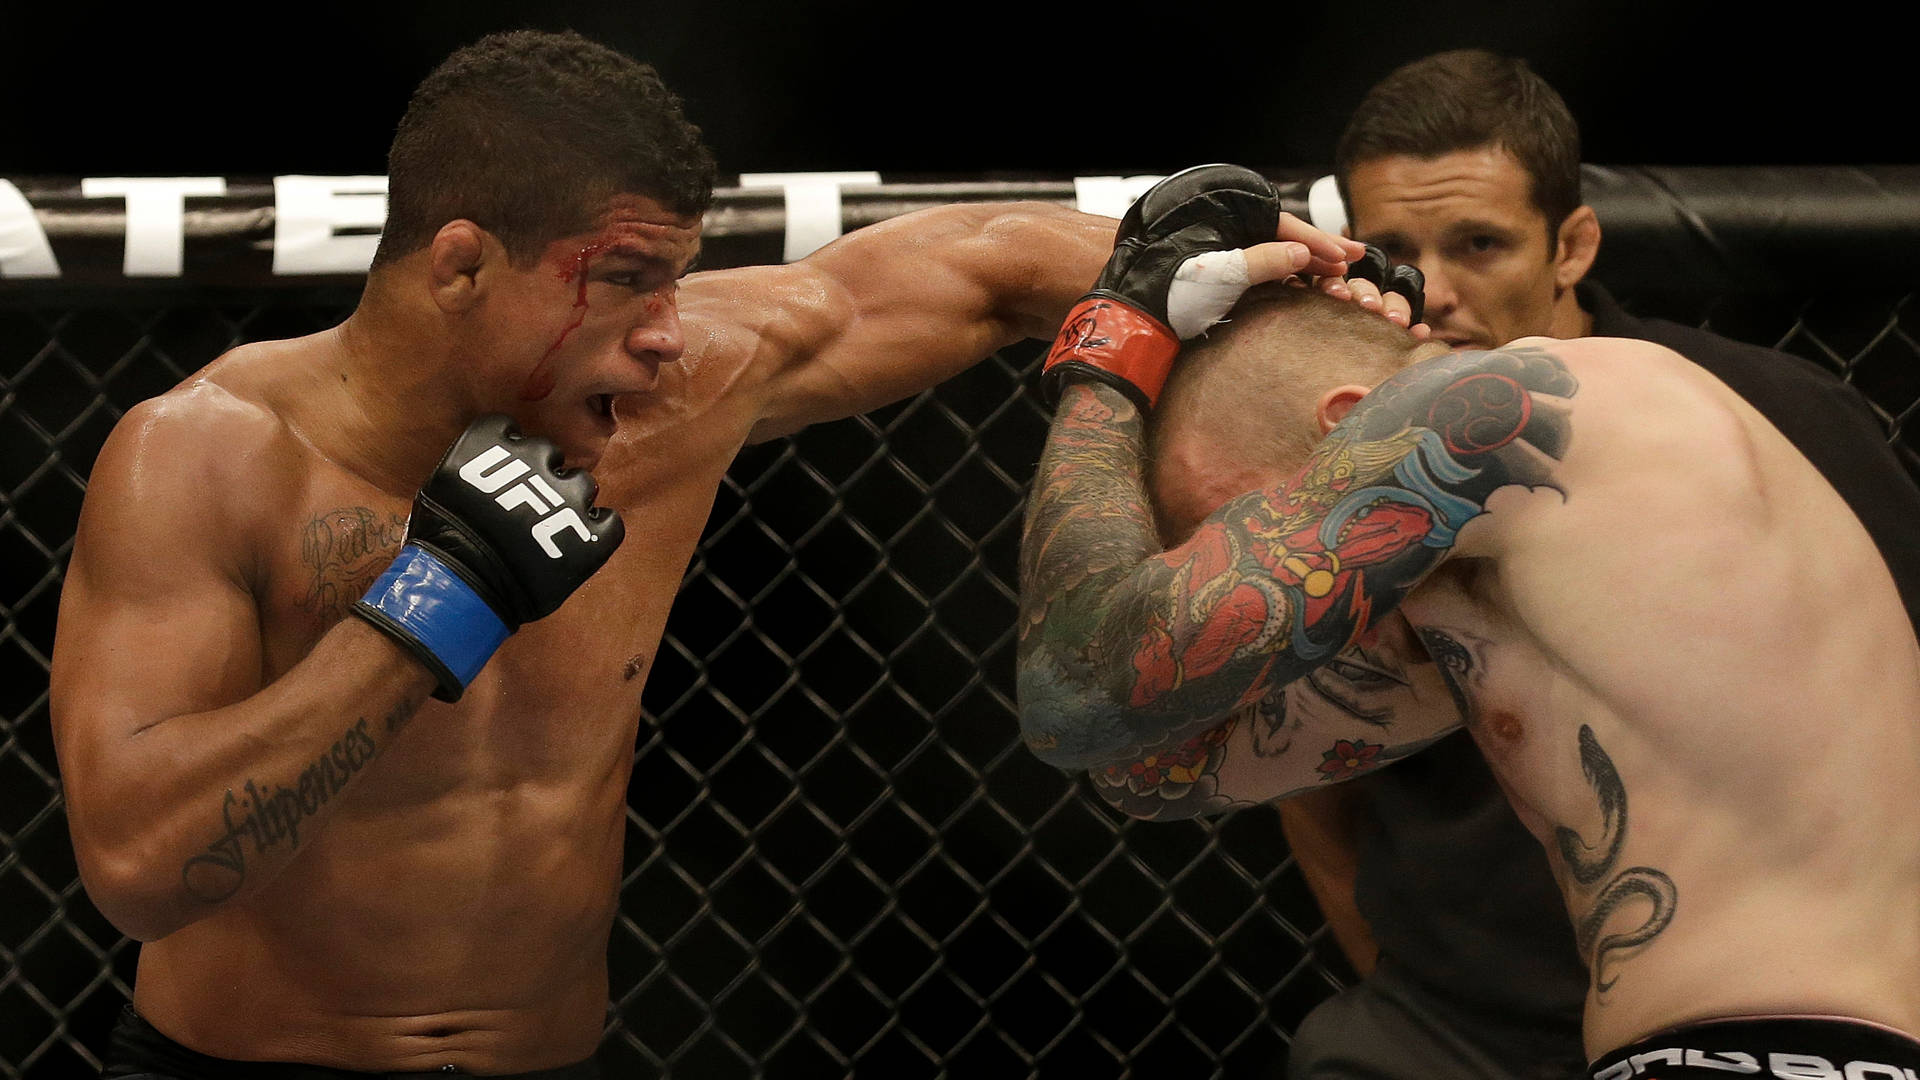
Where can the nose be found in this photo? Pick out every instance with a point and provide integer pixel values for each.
(1442, 298)
(657, 338)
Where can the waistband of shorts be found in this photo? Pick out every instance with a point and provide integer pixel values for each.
(137, 1048)
(1783, 1047)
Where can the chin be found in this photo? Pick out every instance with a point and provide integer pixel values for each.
(581, 452)
(581, 437)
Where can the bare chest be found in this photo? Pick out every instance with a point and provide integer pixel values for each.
(559, 701)
(1520, 704)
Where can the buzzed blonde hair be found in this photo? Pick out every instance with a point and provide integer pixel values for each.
(1248, 388)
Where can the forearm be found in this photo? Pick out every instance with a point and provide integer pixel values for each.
(193, 812)
(1099, 606)
(1125, 650)
(1035, 260)
(892, 309)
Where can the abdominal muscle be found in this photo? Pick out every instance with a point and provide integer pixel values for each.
(470, 932)
(1769, 861)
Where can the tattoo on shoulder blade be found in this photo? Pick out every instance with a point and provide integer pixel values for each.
(1588, 863)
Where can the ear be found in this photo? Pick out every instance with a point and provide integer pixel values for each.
(1575, 248)
(1335, 404)
(454, 261)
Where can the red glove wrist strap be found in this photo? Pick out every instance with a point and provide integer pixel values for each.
(1118, 338)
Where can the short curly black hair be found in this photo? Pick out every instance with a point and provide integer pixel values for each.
(528, 135)
(1463, 100)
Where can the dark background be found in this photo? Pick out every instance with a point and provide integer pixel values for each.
(1015, 89)
(892, 916)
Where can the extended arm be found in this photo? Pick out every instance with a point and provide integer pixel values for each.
(895, 307)
(1127, 650)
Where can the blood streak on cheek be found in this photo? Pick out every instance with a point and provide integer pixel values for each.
(541, 380)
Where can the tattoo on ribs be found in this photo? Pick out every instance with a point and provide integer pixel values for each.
(1589, 863)
(345, 549)
(267, 814)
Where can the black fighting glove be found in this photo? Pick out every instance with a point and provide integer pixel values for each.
(500, 535)
(1121, 333)
(1389, 276)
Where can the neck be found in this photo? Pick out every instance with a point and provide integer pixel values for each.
(1570, 320)
(394, 398)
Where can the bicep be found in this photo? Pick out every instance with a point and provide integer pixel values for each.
(156, 618)
(902, 305)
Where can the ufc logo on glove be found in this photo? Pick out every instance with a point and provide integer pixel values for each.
(465, 578)
(486, 473)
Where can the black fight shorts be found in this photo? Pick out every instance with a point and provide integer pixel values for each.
(137, 1051)
(1770, 1047)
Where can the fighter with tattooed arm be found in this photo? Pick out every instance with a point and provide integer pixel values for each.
(348, 674)
(1678, 649)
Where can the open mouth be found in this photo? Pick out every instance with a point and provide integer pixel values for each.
(602, 405)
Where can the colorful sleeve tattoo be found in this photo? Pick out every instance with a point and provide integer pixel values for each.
(1128, 652)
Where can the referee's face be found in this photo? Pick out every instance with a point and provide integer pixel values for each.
(1468, 221)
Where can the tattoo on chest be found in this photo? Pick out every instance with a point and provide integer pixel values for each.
(268, 815)
(1589, 863)
(1455, 661)
(343, 551)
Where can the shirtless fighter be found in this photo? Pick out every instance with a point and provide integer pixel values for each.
(1681, 654)
(351, 833)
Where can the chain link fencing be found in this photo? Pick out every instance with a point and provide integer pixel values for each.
(840, 859)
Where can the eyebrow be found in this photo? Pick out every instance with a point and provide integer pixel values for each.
(1477, 225)
(637, 253)
(644, 260)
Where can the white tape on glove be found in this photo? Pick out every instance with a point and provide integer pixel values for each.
(1204, 289)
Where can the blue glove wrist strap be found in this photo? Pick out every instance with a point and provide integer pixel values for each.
(423, 603)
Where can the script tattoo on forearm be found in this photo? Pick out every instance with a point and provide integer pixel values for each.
(1589, 863)
(1125, 649)
(268, 814)
(345, 549)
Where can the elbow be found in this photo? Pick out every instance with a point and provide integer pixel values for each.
(1045, 745)
(1060, 722)
(141, 898)
(1121, 789)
